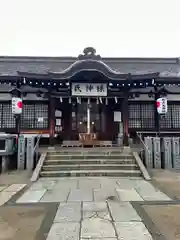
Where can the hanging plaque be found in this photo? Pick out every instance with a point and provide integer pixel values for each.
(89, 89)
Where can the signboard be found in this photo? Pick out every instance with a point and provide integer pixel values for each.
(58, 113)
(117, 116)
(58, 122)
(17, 105)
(161, 104)
(89, 89)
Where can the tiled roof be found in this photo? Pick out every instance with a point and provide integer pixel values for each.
(42, 65)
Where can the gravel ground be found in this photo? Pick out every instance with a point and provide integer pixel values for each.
(166, 218)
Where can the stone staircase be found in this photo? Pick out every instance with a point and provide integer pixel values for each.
(80, 163)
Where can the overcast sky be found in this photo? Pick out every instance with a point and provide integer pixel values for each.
(116, 28)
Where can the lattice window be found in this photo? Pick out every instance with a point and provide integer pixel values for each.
(134, 116)
(134, 111)
(27, 117)
(175, 111)
(7, 118)
(166, 120)
(141, 115)
(35, 116)
(41, 116)
(1, 114)
(147, 115)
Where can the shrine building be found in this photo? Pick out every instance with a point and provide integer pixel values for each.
(106, 98)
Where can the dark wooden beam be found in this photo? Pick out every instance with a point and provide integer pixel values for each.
(32, 75)
(168, 80)
(157, 118)
(52, 119)
(125, 119)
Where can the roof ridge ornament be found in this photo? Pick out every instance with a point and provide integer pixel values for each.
(89, 53)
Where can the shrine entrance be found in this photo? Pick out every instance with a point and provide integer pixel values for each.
(89, 116)
(93, 117)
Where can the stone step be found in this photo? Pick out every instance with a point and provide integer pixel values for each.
(77, 143)
(95, 173)
(89, 167)
(102, 152)
(99, 156)
(88, 161)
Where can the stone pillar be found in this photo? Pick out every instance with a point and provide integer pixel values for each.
(30, 153)
(176, 152)
(21, 153)
(157, 152)
(148, 152)
(5, 164)
(167, 149)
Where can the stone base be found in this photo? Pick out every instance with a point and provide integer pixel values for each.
(5, 164)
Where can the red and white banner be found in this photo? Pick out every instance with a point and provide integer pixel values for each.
(161, 104)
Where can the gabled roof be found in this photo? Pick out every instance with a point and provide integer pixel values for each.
(54, 65)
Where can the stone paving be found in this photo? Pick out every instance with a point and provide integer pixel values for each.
(90, 208)
(94, 208)
(8, 191)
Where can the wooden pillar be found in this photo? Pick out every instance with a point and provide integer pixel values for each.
(125, 119)
(17, 93)
(67, 109)
(52, 120)
(109, 134)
